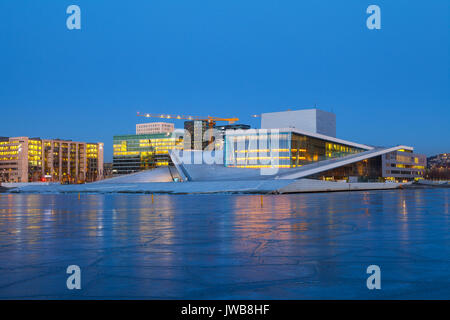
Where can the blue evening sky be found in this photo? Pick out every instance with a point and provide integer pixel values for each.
(232, 58)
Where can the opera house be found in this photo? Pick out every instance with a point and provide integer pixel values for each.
(293, 151)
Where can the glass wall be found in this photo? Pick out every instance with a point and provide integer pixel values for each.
(139, 152)
(270, 148)
(258, 149)
(369, 170)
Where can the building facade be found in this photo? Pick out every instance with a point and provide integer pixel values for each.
(403, 165)
(220, 131)
(24, 159)
(197, 135)
(283, 148)
(291, 148)
(154, 127)
(310, 120)
(134, 153)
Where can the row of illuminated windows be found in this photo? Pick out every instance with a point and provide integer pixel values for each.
(156, 140)
(9, 148)
(265, 158)
(122, 149)
(143, 145)
(256, 166)
(136, 153)
(9, 153)
(401, 158)
(261, 150)
(339, 147)
(145, 142)
(398, 165)
(404, 172)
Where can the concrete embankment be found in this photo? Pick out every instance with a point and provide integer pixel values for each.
(431, 183)
(199, 187)
(310, 185)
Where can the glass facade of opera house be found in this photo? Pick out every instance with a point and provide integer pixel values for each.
(262, 148)
(284, 149)
(400, 165)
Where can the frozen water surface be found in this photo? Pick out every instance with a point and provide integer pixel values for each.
(298, 246)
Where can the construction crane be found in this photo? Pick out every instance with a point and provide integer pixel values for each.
(211, 120)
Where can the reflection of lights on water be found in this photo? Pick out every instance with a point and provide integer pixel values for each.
(446, 205)
(404, 209)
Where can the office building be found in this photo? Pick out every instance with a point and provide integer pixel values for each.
(220, 130)
(154, 127)
(197, 135)
(132, 153)
(403, 164)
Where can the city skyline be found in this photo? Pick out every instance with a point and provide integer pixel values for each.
(387, 86)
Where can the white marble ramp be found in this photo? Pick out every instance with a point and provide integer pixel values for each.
(311, 185)
(195, 187)
(247, 186)
(161, 174)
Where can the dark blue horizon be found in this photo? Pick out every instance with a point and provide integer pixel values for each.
(227, 59)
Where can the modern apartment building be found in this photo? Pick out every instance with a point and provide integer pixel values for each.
(154, 127)
(197, 135)
(24, 159)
